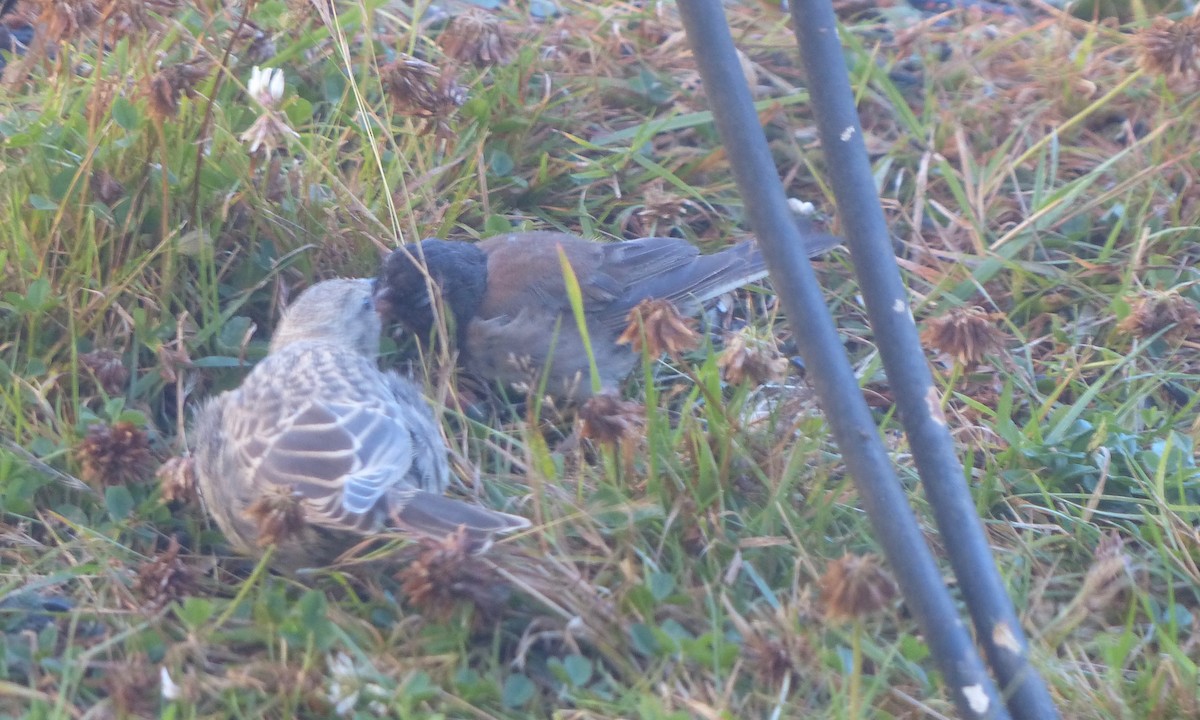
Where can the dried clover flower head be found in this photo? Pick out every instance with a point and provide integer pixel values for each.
(64, 20)
(107, 190)
(441, 574)
(164, 578)
(656, 325)
(125, 17)
(173, 81)
(116, 454)
(177, 480)
(1155, 311)
(748, 357)
(131, 687)
(773, 649)
(775, 659)
(854, 586)
(1170, 47)
(108, 370)
(609, 419)
(965, 334)
(1111, 573)
(411, 83)
(661, 204)
(476, 37)
(420, 89)
(279, 514)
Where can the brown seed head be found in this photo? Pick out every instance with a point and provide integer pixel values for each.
(106, 188)
(100, 100)
(609, 419)
(1170, 48)
(775, 659)
(773, 649)
(855, 586)
(746, 356)
(165, 578)
(660, 204)
(440, 574)
(279, 514)
(164, 99)
(177, 480)
(1110, 574)
(419, 89)
(656, 325)
(411, 83)
(965, 334)
(132, 687)
(123, 17)
(299, 13)
(168, 84)
(65, 19)
(477, 37)
(1154, 311)
(116, 454)
(107, 369)
(259, 45)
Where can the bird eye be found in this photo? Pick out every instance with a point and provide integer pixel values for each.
(368, 304)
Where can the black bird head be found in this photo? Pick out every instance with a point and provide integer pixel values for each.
(459, 273)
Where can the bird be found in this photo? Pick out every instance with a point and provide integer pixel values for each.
(510, 310)
(318, 449)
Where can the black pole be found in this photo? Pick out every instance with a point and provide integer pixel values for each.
(996, 623)
(829, 369)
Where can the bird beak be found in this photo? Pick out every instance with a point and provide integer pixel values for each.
(379, 296)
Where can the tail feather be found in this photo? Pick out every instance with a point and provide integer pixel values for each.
(711, 275)
(690, 284)
(437, 516)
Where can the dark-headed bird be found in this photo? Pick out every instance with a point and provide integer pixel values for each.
(511, 313)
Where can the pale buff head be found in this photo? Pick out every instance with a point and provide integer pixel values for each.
(337, 311)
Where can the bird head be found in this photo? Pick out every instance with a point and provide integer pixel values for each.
(458, 271)
(339, 311)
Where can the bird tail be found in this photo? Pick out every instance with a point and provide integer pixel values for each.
(437, 516)
(814, 242)
(707, 276)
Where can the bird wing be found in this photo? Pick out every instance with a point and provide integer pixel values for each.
(613, 277)
(524, 271)
(342, 457)
(673, 269)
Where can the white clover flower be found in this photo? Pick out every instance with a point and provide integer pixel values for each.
(346, 684)
(270, 130)
(343, 685)
(255, 86)
(266, 86)
(170, 691)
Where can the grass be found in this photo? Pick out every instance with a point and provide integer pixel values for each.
(1029, 168)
